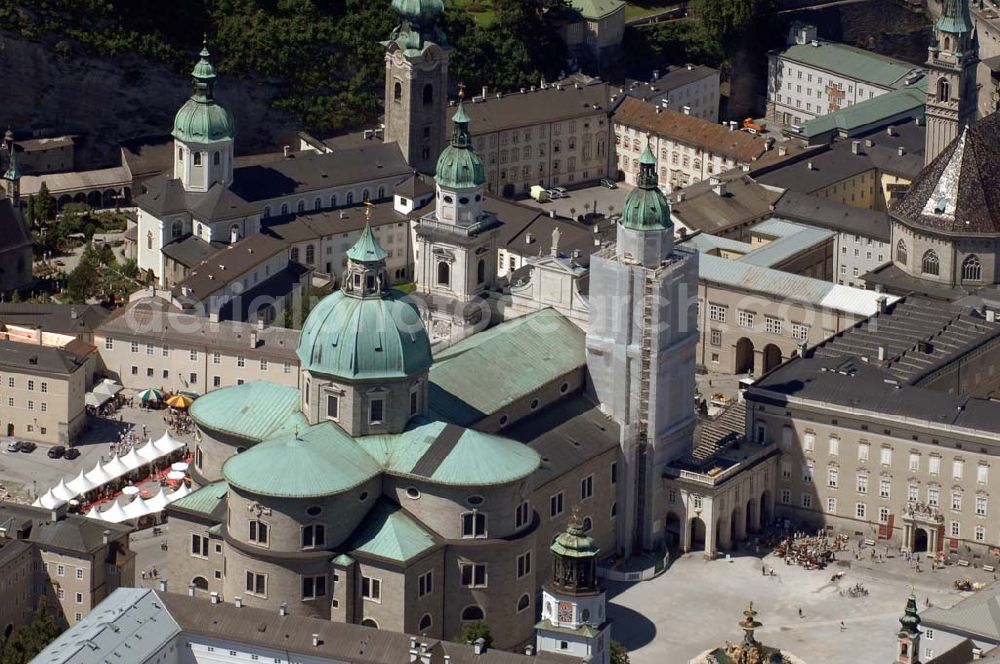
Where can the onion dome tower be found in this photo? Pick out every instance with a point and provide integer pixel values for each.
(646, 233)
(460, 176)
(908, 636)
(364, 351)
(203, 133)
(574, 620)
(416, 82)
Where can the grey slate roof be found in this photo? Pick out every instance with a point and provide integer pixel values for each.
(219, 269)
(63, 318)
(191, 250)
(957, 192)
(37, 358)
(73, 532)
(975, 616)
(13, 229)
(674, 78)
(825, 213)
(704, 210)
(536, 107)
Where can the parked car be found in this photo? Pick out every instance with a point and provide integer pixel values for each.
(609, 183)
(27, 446)
(560, 192)
(14, 446)
(56, 452)
(553, 194)
(71, 453)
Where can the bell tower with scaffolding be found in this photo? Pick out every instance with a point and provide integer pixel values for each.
(641, 341)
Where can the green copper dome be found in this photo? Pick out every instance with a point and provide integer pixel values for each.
(574, 542)
(646, 208)
(201, 119)
(910, 622)
(459, 167)
(364, 338)
(421, 12)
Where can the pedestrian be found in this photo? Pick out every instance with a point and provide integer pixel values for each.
(843, 627)
(763, 570)
(800, 612)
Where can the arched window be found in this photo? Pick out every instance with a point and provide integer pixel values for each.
(149, 239)
(523, 603)
(200, 582)
(943, 89)
(473, 612)
(215, 158)
(444, 274)
(381, 192)
(333, 201)
(295, 255)
(284, 208)
(930, 264)
(310, 254)
(587, 524)
(368, 622)
(428, 94)
(425, 623)
(234, 232)
(365, 196)
(267, 211)
(972, 269)
(481, 271)
(947, 43)
(301, 206)
(901, 252)
(318, 203)
(180, 154)
(176, 228)
(397, 91)
(350, 197)
(197, 159)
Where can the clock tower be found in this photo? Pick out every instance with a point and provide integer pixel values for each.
(574, 620)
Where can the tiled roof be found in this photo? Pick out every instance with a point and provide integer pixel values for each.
(219, 270)
(596, 9)
(674, 78)
(389, 532)
(851, 62)
(957, 192)
(704, 210)
(514, 358)
(690, 130)
(73, 532)
(63, 318)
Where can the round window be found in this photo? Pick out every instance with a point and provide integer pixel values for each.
(463, 200)
(475, 500)
(534, 404)
(412, 492)
(503, 420)
(314, 510)
(563, 388)
(449, 199)
(363, 496)
(478, 198)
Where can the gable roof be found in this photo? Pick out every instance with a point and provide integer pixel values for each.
(851, 62)
(388, 532)
(977, 615)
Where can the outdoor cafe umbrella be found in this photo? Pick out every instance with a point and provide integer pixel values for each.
(150, 395)
(180, 401)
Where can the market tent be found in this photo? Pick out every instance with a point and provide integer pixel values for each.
(115, 468)
(63, 492)
(150, 395)
(94, 513)
(132, 460)
(167, 444)
(137, 508)
(98, 476)
(80, 484)
(49, 501)
(95, 400)
(107, 387)
(179, 492)
(149, 452)
(115, 513)
(158, 502)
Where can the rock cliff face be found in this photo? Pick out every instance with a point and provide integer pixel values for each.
(107, 101)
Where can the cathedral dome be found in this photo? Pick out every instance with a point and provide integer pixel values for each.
(646, 208)
(364, 338)
(421, 12)
(459, 167)
(203, 122)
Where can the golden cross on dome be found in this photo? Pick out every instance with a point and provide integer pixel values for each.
(368, 210)
(461, 90)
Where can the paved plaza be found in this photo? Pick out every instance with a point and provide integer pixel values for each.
(696, 605)
(582, 201)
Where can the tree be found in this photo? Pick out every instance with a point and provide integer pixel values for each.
(619, 653)
(475, 630)
(84, 281)
(44, 205)
(733, 23)
(27, 641)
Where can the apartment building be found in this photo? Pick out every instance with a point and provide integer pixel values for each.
(812, 77)
(688, 148)
(73, 562)
(888, 429)
(148, 343)
(555, 134)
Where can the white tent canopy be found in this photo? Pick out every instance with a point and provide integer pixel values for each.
(115, 468)
(63, 492)
(115, 513)
(167, 444)
(98, 476)
(95, 400)
(94, 513)
(179, 492)
(132, 460)
(138, 507)
(107, 387)
(49, 501)
(158, 502)
(80, 484)
(149, 452)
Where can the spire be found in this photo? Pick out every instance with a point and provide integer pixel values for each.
(955, 17)
(647, 169)
(366, 276)
(646, 208)
(911, 620)
(13, 173)
(203, 73)
(460, 136)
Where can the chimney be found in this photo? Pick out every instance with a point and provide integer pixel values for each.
(54, 516)
(105, 536)
(73, 314)
(552, 214)
(659, 109)
(253, 339)
(720, 189)
(687, 110)
(782, 151)
(855, 147)
(901, 150)
(215, 598)
(283, 609)
(316, 640)
(810, 166)
(890, 131)
(287, 151)
(238, 602)
(918, 121)
(882, 303)
(869, 143)
(191, 589)
(234, 235)
(163, 585)
(881, 353)
(261, 323)
(529, 238)
(529, 650)
(486, 91)
(656, 75)
(479, 647)
(681, 196)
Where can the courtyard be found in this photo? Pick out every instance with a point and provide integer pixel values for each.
(696, 604)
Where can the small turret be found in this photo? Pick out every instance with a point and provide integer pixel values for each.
(365, 276)
(13, 176)
(909, 634)
(645, 233)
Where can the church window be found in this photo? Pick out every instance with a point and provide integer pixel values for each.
(365, 196)
(425, 623)
(295, 255)
(947, 43)
(397, 91)
(901, 252)
(930, 264)
(444, 274)
(284, 208)
(215, 158)
(588, 524)
(428, 94)
(463, 200)
(943, 90)
(258, 532)
(350, 198)
(481, 271)
(972, 270)
(381, 193)
(197, 159)
(300, 206)
(313, 536)
(317, 203)
(267, 211)
(310, 254)
(470, 613)
(180, 154)
(149, 239)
